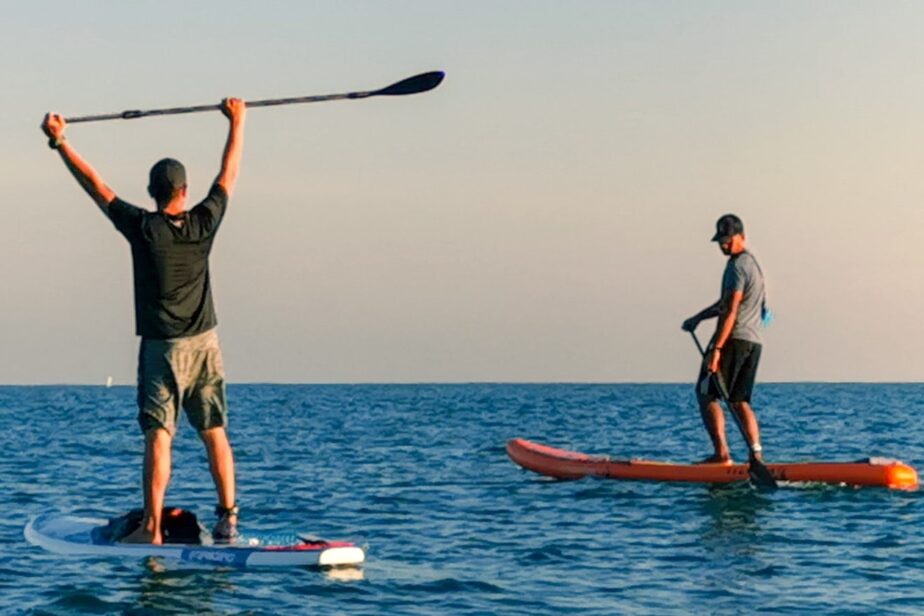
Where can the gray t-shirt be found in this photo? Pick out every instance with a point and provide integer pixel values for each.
(743, 274)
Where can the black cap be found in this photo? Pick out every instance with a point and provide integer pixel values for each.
(727, 226)
(167, 176)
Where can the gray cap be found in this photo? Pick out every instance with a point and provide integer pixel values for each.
(166, 176)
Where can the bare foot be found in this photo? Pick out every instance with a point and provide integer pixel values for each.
(142, 535)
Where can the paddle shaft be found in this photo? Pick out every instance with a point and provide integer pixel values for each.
(411, 85)
(720, 384)
(764, 473)
(134, 114)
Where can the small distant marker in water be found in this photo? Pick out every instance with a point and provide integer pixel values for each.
(108, 381)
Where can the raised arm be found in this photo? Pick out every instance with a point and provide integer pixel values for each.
(234, 109)
(53, 126)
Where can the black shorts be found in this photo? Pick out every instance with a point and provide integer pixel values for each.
(738, 368)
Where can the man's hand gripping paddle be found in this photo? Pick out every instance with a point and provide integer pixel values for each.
(758, 472)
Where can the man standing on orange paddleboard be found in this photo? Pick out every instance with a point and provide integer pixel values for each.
(733, 354)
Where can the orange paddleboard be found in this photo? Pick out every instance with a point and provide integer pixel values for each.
(563, 464)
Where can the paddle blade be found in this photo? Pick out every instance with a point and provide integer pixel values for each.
(761, 476)
(413, 85)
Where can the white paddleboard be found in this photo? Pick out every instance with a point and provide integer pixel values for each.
(66, 534)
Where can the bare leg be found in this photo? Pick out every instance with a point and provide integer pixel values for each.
(714, 420)
(221, 464)
(156, 476)
(749, 425)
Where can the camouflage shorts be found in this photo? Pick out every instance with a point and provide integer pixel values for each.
(183, 372)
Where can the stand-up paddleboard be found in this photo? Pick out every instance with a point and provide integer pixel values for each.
(563, 464)
(66, 534)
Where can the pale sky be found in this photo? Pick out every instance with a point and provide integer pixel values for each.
(544, 215)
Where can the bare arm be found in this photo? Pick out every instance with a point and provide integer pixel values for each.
(53, 126)
(710, 312)
(724, 328)
(234, 109)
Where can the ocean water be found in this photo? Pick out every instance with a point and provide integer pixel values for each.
(418, 474)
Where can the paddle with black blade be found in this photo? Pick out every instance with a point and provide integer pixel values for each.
(757, 470)
(412, 85)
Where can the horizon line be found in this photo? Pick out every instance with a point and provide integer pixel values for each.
(407, 383)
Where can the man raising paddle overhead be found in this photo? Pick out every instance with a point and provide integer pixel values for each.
(179, 362)
(733, 354)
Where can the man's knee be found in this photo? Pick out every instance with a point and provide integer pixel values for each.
(212, 436)
(157, 435)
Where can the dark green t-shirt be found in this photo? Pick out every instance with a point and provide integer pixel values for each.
(170, 257)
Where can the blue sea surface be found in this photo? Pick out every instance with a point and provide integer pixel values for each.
(419, 474)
